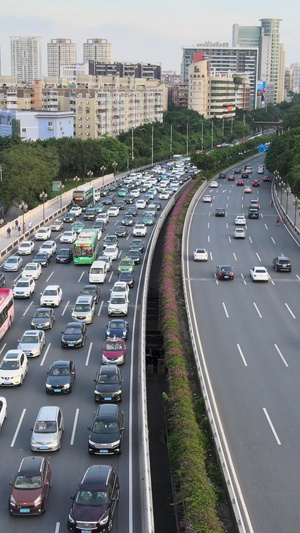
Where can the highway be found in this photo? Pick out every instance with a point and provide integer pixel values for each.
(247, 337)
(69, 464)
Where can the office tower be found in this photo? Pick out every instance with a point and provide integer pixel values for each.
(60, 52)
(26, 62)
(273, 70)
(98, 50)
(295, 68)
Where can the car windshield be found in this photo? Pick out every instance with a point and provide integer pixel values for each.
(9, 365)
(43, 313)
(105, 427)
(45, 426)
(12, 260)
(29, 339)
(64, 252)
(28, 482)
(116, 325)
(59, 371)
(119, 288)
(118, 300)
(30, 267)
(25, 245)
(104, 378)
(260, 270)
(113, 346)
(72, 330)
(22, 284)
(225, 269)
(82, 308)
(91, 498)
(41, 256)
(50, 292)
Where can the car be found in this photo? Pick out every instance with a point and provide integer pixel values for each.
(74, 335)
(248, 169)
(30, 487)
(69, 217)
(97, 196)
(267, 178)
(231, 177)
(253, 212)
(106, 430)
(69, 236)
(259, 273)
(237, 171)
(13, 263)
(127, 220)
(224, 272)
(137, 244)
(239, 233)
(120, 204)
(112, 187)
(140, 203)
(96, 500)
(118, 327)
(32, 342)
(244, 175)
(43, 234)
(43, 258)
(254, 203)
(64, 255)
(164, 195)
(91, 290)
(207, 199)
(99, 225)
(84, 309)
(118, 305)
(240, 220)
(121, 231)
(125, 264)
(113, 211)
(3, 411)
(148, 218)
(131, 210)
(49, 247)
(47, 430)
(157, 205)
(90, 214)
(129, 199)
(240, 183)
(76, 210)
(135, 255)
(107, 260)
(60, 377)
(109, 200)
(139, 230)
(200, 254)
(136, 192)
(103, 217)
(255, 183)
(24, 288)
(25, 248)
(57, 225)
(128, 277)
(108, 384)
(32, 270)
(109, 240)
(114, 351)
(213, 185)
(282, 263)
(13, 368)
(51, 296)
(248, 190)
(222, 175)
(220, 212)
(111, 251)
(103, 192)
(120, 287)
(260, 169)
(43, 319)
(99, 207)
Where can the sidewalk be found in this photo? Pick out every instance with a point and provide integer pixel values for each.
(288, 207)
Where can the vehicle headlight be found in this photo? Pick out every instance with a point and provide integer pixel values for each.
(103, 521)
(12, 500)
(108, 332)
(71, 519)
(47, 324)
(48, 386)
(38, 500)
(116, 393)
(77, 342)
(114, 444)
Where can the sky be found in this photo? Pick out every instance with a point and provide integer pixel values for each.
(148, 31)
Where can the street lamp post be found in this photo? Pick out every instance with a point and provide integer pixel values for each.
(61, 188)
(171, 141)
(43, 197)
(114, 165)
(281, 183)
(90, 175)
(288, 191)
(103, 169)
(296, 204)
(132, 145)
(187, 138)
(152, 146)
(23, 207)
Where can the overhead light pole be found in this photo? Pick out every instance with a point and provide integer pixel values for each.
(24, 208)
(43, 197)
(103, 169)
(61, 188)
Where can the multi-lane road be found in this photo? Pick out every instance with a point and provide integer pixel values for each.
(247, 338)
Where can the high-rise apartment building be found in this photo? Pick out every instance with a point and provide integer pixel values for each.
(26, 61)
(98, 50)
(274, 71)
(295, 68)
(60, 52)
(125, 70)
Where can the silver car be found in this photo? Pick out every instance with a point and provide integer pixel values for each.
(48, 429)
(32, 342)
(13, 263)
(239, 233)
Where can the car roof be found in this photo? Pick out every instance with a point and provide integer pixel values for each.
(53, 287)
(31, 465)
(109, 369)
(107, 410)
(60, 363)
(13, 354)
(97, 475)
(74, 325)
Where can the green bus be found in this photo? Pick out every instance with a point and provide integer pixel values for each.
(84, 196)
(86, 247)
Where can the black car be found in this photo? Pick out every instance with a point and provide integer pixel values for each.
(64, 255)
(60, 377)
(131, 210)
(135, 255)
(157, 205)
(137, 244)
(220, 212)
(253, 212)
(118, 327)
(109, 200)
(120, 204)
(110, 239)
(43, 258)
(2, 279)
(99, 224)
(92, 290)
(90, 214)
(222, 176)
(43, 318)
(128, 220)
(237, 171)
(244, 175)
(69, 217)
(103, 192)
(113, 187)
(74, 335)
(281, 263)
(129, 199)
(224, 272)
(106, 430)
(121, 231)
(128, 277)
(96, 500)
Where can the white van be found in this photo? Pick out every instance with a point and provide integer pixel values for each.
(98, 271)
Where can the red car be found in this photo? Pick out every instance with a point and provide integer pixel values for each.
(30, 487)
(114, 351)
(240, 182)
(255, 183)
(267, 178)
(231, 177)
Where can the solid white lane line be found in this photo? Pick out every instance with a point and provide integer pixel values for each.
(273, 241)
(74, 427)
(266, 227)
(65, 308)
(235, 258)
(50, 276)
(27, 308)
(225, 310)
(242, 355)
(57, 527)
(290, 311)
(100, 308)
(257, 310)
(271, 426)
(258, 257)
(88, 354)
(245, 282)
(208, 238)
(80, 277)
(283, 359)
(111, 275)
(45, 354)
(18, 428)
(2, 348)
(250, 240)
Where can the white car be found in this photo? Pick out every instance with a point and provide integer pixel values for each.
(135, 193)
(43, 234)
(164, 195)
(26, 248)
(32, 270)
(259, 273)
(140, 203)
(76, 210)
(118, 305)
(200, 254)
(214, 184)
(103, 216)
(139, 230)
(49, 247)
(240, 220)
(239, 233)
(207, 199)
(32, 342)
(3, 410)
(113, 211)
(120, 287)
(97, 196)
(68, 236)
(13, 368)
(56, 225)
(13, 263)
(111, 251)
(51, 297)
(24, 288)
